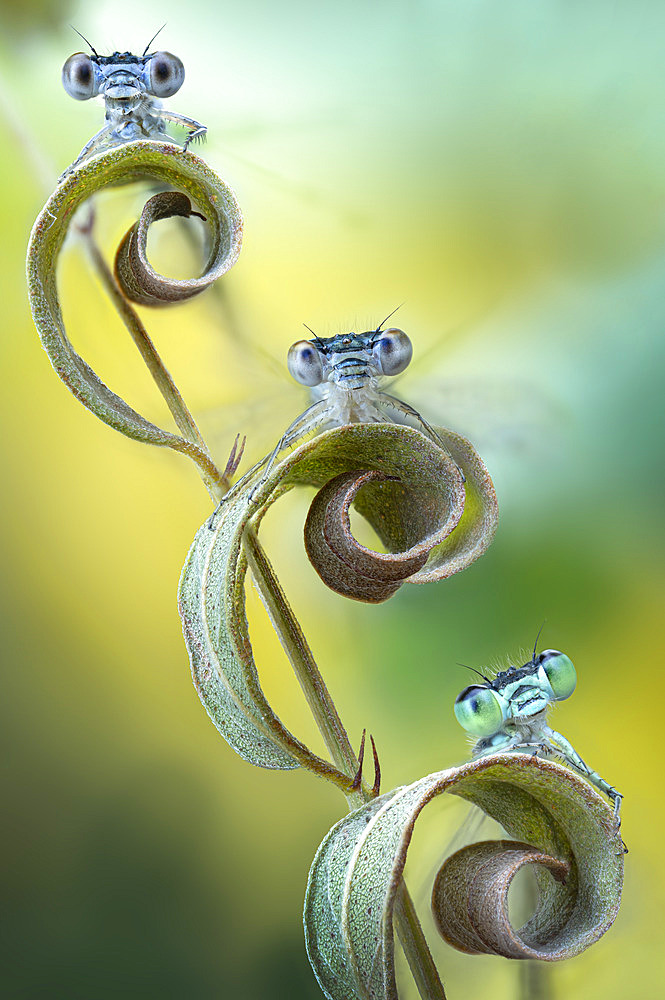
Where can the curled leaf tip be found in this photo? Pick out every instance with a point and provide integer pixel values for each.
(563, 828)
(475, 919)
(343, 563)
(134, 272)
(434, 510)
(195, 182)
(409, 489)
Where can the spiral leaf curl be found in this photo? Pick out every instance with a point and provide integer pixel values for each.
(573, 844)
(476, 920)
(434, 510)
(134, 161)
(134, 272)
(414, 496)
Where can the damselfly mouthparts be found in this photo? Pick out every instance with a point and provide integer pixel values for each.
(509, 712)
(131, 87)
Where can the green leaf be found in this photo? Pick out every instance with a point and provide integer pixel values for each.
(423, 507)
(211, 599)
(134, 161)
(565, 829)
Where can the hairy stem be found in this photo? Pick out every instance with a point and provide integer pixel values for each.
(215, 481)
(339, 747)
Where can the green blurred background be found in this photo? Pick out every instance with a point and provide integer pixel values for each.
(499, 167)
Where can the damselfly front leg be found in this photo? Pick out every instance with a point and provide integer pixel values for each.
(298, 429)
(196, 129)
(301, 426)
(98, 141)
(392, 402)
(560, 746)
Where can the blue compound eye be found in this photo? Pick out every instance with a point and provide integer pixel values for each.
(304, 363)
(560, 672)
(479, 711)
(165, 74)
(79, 78)
(392, 351)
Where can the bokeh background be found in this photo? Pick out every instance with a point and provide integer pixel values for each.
(499, 167)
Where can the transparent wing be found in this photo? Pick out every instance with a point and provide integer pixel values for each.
(480, 379)
(302, 191)
(455, 824)
(262, 412)
(497, 414)
(475, 825)
(507, 421)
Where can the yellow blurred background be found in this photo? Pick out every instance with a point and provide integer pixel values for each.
(498, 167)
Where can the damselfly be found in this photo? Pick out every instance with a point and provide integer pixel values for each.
(509, 712)
(131, 86)
(344, 375)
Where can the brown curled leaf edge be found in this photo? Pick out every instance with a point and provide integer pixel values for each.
(195, 182)
(564, 830)
(433, 518)
(434, 510)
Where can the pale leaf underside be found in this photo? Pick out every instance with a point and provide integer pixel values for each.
(420, 507)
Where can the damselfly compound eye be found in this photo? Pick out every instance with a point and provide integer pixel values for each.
(392, 351)
(165, 74)
(304, 363)
(79, 78)
(560, 672)
(479, 711)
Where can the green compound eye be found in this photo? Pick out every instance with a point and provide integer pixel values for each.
(478, 710)
(560, 672)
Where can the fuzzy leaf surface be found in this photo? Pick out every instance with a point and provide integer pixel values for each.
(565, 829)
(134, 161)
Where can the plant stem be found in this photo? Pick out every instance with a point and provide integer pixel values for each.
(535, 981)
(297, 649)
(339, 747)
(215, 481)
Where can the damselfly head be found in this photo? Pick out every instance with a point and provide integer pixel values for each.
(349, 359)
(509, 713)
(122, 75)
(519, 692)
